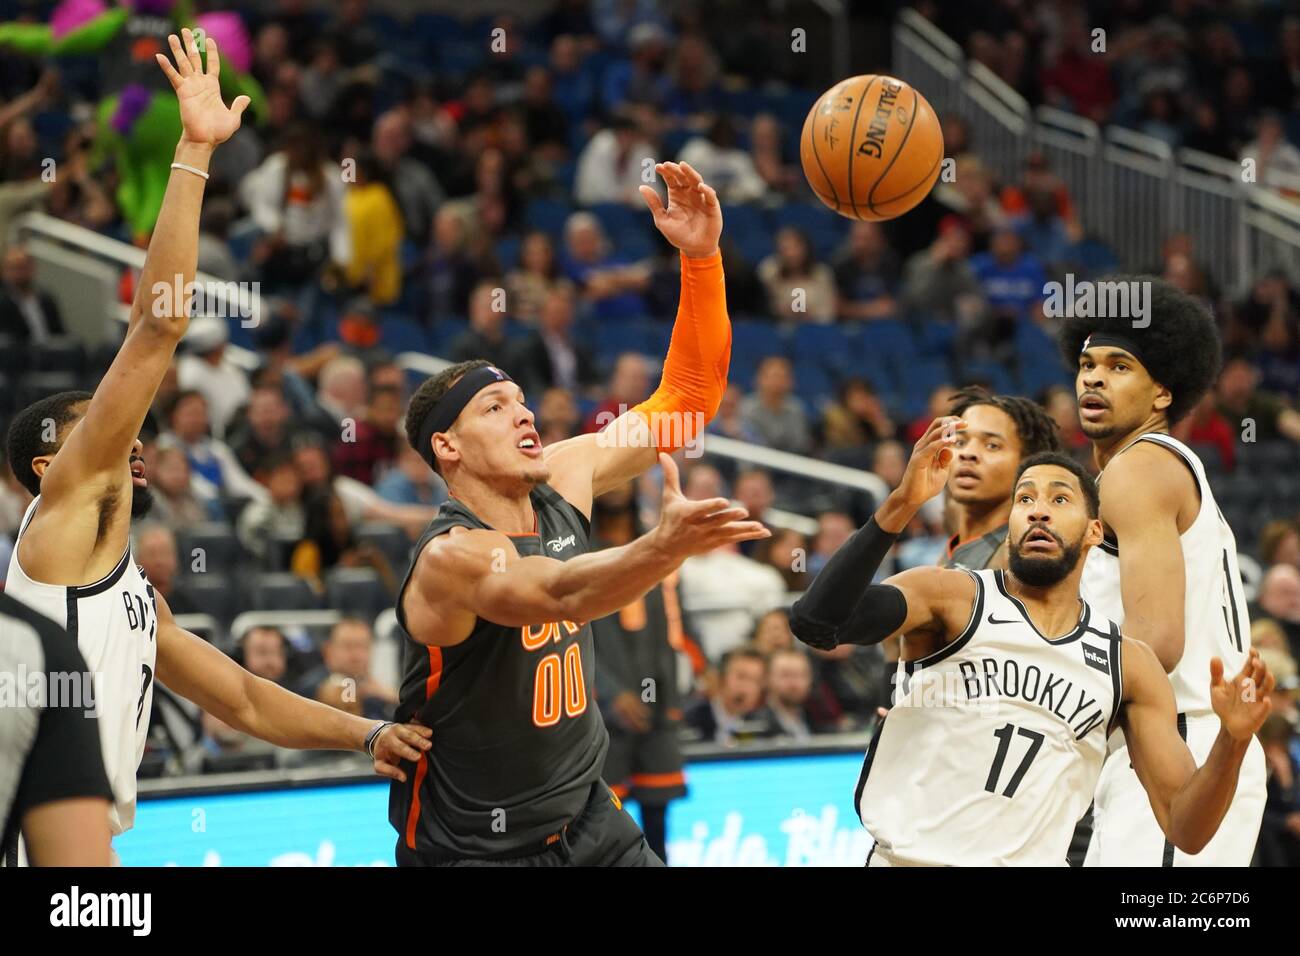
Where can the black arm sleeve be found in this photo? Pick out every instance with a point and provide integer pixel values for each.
(824, 608)
(65, 760)
(880, 612)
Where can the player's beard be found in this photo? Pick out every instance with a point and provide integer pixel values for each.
(141, 501)
(1043, 571)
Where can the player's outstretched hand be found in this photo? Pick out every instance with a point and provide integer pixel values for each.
(397, 743)
(927, 469)
(1242, 703)
(205, 118)
(696, 527)
(692, 222)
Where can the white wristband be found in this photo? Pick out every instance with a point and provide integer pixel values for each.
(190, 169)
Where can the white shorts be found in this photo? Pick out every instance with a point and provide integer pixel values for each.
(1124, 828)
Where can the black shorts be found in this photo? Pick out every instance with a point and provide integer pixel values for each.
(602, 835)
(645, 767)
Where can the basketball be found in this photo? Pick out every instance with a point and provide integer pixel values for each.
(871, 147)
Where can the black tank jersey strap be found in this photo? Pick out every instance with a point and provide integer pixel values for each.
(556, 500)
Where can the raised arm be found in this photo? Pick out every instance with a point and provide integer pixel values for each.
(1144, 517)
(467, 574)
(695, 369)
(818, 616)
(197, 671)
(1189, 802)
(94, 457)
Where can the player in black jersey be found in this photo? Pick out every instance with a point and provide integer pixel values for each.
(498, 657)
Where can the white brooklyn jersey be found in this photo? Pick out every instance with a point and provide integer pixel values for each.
(114, 622)
(992, 749)
(1215, 620)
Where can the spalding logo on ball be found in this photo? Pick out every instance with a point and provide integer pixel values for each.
(871, 147)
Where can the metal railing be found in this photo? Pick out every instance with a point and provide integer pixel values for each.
(1132, 190)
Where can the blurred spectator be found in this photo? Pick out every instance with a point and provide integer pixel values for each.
(574, 90)
(550, 356)
(328, 542)
(296, 198)
(856, 418)
(205, 367)
(545, 122)
(889, 461)
(730, 421)
(187, 429)
(376, 227)
(155, 552)
(1279, 836)
(360, 501)
(28, 313)
(558, 416)
(736, 713)
(265, 429)
(629, 385)
(694, 92)
(972, 199)
(1205, 425)
(789, 687)
(612, 285)
(723, 164)
(867, 274)
(938, 282)
(614, 164)
(341, 388)
(486, 336)
(1011, 281)
(1074, 77)
(537, 275)
(417, 190)
(347, 658)
(833, 529)
(370, 446)
(1273, 161)
(798, 286)
(280, 517)
(1279, 543)
(1061, 405)
(753, 490)
(1279, 599)
(772, 633)
(264, 652)
(179, 498)
(773, 412)
(725, 592)
(1240, 402)
(450, 270)
(411, 481)
(766, 147)
(787, 552)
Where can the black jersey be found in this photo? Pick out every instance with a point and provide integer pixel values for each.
(517, 737)
(975, 555)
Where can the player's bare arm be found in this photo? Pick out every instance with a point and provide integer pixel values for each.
(1147, 495)
(468, 574)
(819, 615)
(197, 671)
(1189, 802)
(71, 832)
(695, 370)
(86, 486)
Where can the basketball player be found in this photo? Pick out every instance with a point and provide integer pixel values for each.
(495, 608)
(79, 455)
(1167, 570)
(996, 433)
(993, 747)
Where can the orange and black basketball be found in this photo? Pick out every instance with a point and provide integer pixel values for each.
(871, 147)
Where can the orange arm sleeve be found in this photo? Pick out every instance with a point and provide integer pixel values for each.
(699, 354)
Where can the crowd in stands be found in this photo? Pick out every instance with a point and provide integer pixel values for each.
(413, 189)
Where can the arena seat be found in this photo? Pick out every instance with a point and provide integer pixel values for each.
(214, 593)
(63, 354)
(389, 539)
(214, 543)
(358, 591)
(282, 591)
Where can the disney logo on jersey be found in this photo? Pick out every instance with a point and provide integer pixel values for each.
(559, 544)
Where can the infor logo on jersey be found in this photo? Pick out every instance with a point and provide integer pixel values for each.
(1097, 658)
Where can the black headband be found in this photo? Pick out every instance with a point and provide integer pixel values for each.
(449, 407)
(1115, 340)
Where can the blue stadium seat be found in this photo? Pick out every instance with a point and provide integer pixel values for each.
(813, 384)
(281, 591)
(888, 338)
(992, 374)
(507, 250)
(747, 227)
(755, 339)
(831, 345)
(616, 337)
(444, 331)
(548, 215)
(936, 337)
(402, 334)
